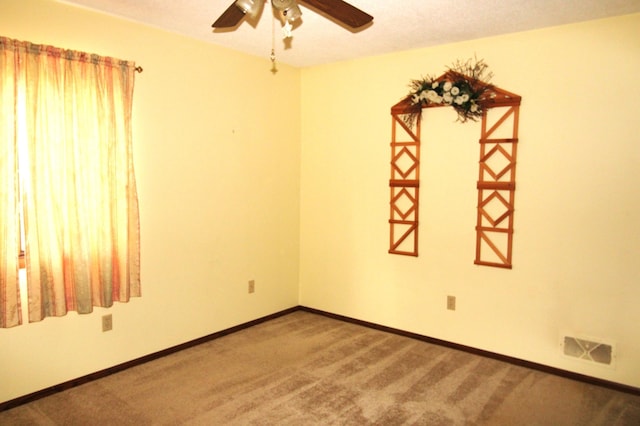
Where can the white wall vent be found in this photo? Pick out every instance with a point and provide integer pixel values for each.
(588, 349)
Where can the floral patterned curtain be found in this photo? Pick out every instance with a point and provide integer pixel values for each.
(66, 154)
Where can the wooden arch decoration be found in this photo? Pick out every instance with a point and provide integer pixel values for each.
(496, 178)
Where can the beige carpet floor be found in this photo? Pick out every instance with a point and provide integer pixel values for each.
(307, 369)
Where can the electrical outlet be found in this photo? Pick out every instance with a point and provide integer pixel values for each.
(451, 303)
(107, 322)
(252, 286)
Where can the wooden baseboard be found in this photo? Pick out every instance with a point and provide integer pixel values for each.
(120, 367)
(511, 360)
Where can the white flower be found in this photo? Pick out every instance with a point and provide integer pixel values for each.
(447, 86)
(465, 98)
(474, 107)
(447, 98)
(455, 90)
(458, 100)
(423, 95)
(435, 85)
(415, 99)
(432, 96)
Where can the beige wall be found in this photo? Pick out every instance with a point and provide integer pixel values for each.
(577, 220)
(228, 195)
(218, 182)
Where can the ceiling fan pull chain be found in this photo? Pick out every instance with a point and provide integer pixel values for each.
(274, 68)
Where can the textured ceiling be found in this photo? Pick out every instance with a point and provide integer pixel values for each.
(398, 24)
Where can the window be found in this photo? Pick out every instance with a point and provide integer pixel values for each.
(66, 158)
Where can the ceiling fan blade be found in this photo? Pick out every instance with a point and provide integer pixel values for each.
(341, 11)
(229, 17)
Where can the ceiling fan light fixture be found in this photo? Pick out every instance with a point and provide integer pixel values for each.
(283, 5)
(250, 7)
(292, 13)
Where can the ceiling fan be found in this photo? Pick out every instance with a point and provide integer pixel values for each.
(339, 10)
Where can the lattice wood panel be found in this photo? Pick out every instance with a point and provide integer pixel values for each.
(496, 189)
(405, 187)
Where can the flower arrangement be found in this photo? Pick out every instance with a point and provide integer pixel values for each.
(463, 86)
